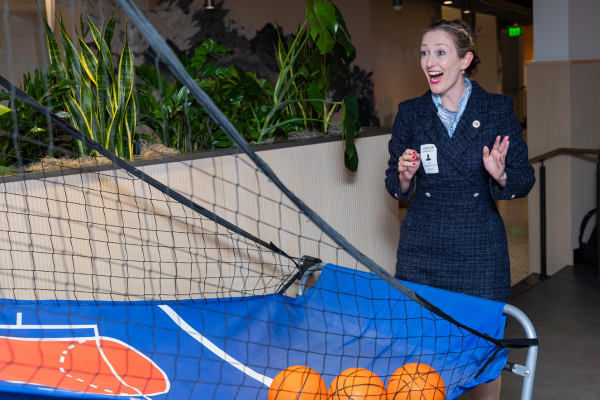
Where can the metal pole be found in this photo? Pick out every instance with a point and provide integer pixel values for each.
(532, 352)
(543, 217)
(598, 208)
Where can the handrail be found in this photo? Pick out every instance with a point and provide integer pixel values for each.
(542, 158)
(561, 151)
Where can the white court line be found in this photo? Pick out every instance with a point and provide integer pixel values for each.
(265, 380)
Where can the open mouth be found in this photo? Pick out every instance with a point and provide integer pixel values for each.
(435, 76)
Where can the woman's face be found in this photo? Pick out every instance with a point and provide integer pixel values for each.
(441, 63)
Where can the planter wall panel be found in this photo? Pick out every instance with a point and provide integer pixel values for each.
(106, 236)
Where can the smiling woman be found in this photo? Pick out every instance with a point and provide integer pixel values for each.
(453, 236)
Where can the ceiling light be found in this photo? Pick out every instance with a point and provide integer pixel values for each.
(467, 9)
(210, 4)
(448, 2)
(397, 5)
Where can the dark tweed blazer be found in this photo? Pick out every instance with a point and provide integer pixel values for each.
(453, 236)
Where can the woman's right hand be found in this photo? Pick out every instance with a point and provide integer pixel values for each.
(408, 164)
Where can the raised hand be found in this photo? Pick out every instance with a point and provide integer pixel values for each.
(494, 161)
(408, 164)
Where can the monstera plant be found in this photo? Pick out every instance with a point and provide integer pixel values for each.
(321, 44)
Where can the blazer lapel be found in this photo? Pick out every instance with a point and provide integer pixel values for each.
(452, 148)
(433, 127)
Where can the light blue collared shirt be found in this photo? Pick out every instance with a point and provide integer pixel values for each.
(450, 118)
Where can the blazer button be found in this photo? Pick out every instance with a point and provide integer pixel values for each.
(512, 197)
(476, 194)
(427, 194)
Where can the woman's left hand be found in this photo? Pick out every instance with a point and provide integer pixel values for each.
(494, 161)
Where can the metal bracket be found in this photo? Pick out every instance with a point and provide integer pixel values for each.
(517, 369)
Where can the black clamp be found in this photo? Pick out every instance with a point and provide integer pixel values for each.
(307, 261)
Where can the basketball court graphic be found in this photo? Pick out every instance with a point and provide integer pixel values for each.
(187, 349)
(92, 364)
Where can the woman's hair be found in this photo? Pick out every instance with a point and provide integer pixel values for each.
(463, 38)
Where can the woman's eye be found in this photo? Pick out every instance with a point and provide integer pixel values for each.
(423, 53)
(441, 52)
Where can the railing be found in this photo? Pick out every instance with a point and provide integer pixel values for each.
(562, 151)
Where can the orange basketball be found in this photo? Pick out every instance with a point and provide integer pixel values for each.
(298, 383)
(357, 384)
(416, 381)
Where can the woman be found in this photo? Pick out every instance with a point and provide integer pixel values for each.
(466, 148)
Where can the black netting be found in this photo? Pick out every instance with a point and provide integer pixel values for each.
(147, 251)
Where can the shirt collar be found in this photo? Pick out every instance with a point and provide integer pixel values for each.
(461, 103)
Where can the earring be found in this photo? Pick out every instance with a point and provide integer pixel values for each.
(463, 71)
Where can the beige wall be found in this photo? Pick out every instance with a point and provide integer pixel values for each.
(561, 114)
(487, 46)
(451, 13)
(97, 236)
(22, 47)
(395, 43)
(27, 39)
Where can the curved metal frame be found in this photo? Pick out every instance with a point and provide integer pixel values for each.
(530, 364)
(528, 371)
(306, 276)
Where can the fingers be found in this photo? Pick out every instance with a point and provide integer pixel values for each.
(496, 143)
(410, 155)
(410, 160)
(486, 151)
(505, 149)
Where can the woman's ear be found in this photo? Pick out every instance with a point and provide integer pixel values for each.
(466, 61)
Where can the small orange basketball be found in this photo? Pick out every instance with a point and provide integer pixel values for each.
(357, 384)
(298, 383)
(416, 381)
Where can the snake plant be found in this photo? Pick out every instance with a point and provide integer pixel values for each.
(99, 100)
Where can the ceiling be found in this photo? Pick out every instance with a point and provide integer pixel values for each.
(508, 12)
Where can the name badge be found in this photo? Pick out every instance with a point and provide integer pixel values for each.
(429, 158)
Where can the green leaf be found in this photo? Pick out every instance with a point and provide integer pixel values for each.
(349, 118)
(103, 53)
(86, 105)
(56, 61)
(341, 21)
(347, 45)
(221, 49)
(4, 110)
(109, 31)
(78, 115)
(351, 105)
(321, 17)
(351, 162)
(72, 58)
(112, 140)
(125, 73)
(207, 47)
(88, 61)
(315, 93)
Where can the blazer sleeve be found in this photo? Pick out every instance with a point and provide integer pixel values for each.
(400, 141)
(520, 174)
